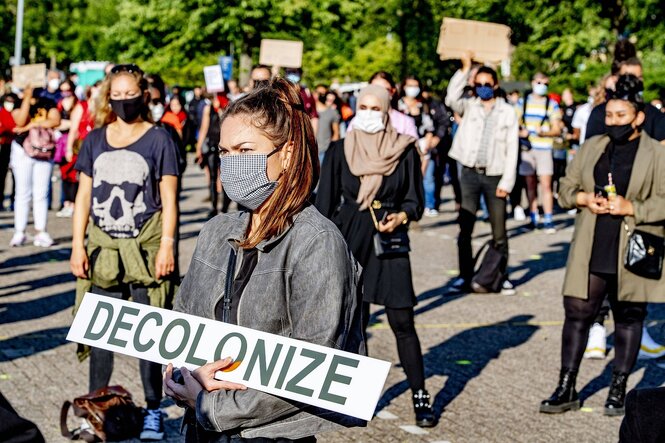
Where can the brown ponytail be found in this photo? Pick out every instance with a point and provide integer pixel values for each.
(276, 109)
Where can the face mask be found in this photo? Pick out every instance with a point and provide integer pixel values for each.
(485, 92)
(9, 106)
(411, 91)
(540, 89)
(590, 99)
(156, 111)
(66, 93)
(620, 134)
(369, 121)
(128, 110)
(293, 78)
(322, 99)
(54, 84)
(245, 178)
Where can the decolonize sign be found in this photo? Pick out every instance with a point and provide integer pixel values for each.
(336, 380)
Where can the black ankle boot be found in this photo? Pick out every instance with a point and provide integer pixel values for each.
(424, 414)
(565, 397)
(614, 405)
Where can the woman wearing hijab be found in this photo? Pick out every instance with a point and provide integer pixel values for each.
(371, 182)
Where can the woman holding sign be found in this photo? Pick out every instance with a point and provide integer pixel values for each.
(371, 187)
(127, 191)
(280, 267)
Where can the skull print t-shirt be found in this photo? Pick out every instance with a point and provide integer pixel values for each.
(125, 181)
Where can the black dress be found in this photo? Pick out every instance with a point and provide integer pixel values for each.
(619, 161)
(387, 281)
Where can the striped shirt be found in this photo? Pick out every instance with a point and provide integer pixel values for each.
(533, 120)
(485, 139)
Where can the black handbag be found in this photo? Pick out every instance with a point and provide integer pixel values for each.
(644, 254)
(491, 273)
(389, 244)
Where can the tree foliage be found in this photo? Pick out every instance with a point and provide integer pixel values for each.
(571, 40)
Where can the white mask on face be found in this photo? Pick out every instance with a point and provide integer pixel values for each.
(540, 89)
(157, 111)
(369, 121)
(53, 84)
(9, 106)
(411, 91)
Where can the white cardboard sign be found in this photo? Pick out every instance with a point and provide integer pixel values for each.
(214, 78)
(29, 75)
(328, 378)
(282, 53)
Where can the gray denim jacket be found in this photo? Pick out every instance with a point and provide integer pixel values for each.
(305, 286)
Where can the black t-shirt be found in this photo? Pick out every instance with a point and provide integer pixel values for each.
(37, 111)
(618, 160)
(654, 123)
(568, 112)
(125, 181)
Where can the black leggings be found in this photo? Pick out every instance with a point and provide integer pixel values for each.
(401, 321)
(101, 360)
(580, 314)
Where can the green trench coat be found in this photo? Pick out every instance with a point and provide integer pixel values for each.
(646, 190)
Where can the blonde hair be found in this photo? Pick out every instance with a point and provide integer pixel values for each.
(104, 115)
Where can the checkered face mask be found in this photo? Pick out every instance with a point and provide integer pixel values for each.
(245, 178)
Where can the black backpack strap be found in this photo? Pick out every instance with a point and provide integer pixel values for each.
(76, 434)
(482, 249)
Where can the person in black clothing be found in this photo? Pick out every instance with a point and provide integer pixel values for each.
(374, 174)
(654, 123)
(626, 167)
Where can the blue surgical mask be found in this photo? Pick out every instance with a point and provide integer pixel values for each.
(293, 78)
(540, 89)
(485, 92)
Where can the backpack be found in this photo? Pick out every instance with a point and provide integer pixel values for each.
(110, 412)
(491, 273)
(525, 143)
(40, 144)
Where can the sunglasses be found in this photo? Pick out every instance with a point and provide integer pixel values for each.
(130, 68)
(488, 85)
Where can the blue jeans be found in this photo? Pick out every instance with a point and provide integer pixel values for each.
(430, 185)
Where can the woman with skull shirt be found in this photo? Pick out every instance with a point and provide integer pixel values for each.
(127, 188)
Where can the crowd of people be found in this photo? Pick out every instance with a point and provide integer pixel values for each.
(324, 187)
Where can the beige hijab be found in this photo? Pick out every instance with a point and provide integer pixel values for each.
(374, 156)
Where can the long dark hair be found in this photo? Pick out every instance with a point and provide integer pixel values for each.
(276, 109)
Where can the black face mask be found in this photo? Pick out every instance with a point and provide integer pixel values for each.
(620, 134)
(128, 110)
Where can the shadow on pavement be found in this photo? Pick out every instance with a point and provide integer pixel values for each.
(464, 356)
(49, 255)
(548, 261)
(38, 308)
(38, 283)
(32, 343)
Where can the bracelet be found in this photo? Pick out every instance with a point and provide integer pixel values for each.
(170, 239)
(406, 217)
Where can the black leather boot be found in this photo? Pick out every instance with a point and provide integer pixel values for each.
(424, 414)
(614, 406)
(565, 396)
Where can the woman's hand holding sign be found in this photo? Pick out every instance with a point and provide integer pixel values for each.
(194, 382)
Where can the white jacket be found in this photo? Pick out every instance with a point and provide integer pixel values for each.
(503, 150)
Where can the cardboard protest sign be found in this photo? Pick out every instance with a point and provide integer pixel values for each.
(490, 42)
(214, 78)
(29, 75)
(328, 378)
(282, 53)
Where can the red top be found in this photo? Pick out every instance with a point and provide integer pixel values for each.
(87, 124)
(7, 124)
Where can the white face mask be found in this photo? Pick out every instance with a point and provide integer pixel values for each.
(369, 121)
(540, 89)
(411, 91)
(157, 111)
(9, 106)
(53, 84)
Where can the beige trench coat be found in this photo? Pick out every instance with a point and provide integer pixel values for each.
(646, 190)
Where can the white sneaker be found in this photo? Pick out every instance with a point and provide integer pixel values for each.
(153, 425)
(649, 348)
(518, 214)
(596, 346)
(17, 240)
(43, 240)
(507, 288)
(431, 212)
(572, 211)
(65, 212)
